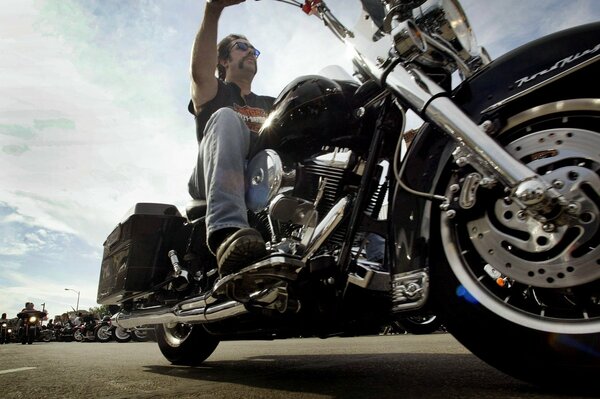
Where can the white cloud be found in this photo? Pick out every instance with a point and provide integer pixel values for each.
(79, 179)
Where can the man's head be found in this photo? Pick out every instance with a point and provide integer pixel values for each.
(29, 305)
(236, 56)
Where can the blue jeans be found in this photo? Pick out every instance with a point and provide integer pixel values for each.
(219, 173)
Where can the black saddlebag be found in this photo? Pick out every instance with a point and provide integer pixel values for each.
(135, 255)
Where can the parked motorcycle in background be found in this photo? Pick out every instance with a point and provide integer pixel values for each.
(493, 220)
(86, 331)
(46, 334)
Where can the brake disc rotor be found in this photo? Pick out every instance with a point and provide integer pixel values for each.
(560, 253)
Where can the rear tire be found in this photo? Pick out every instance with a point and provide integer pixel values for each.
(185, 344)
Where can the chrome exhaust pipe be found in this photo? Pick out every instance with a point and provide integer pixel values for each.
(193, 310)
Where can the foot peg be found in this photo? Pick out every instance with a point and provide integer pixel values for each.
(262, 283)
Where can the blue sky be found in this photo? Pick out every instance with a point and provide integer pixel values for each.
(93, 116)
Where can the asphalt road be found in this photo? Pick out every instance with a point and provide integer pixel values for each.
(399, 366)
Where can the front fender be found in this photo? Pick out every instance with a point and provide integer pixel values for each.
(556, 67)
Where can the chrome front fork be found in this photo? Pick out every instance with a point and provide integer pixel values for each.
(474, 145)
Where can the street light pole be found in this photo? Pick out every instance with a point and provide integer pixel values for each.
(78, 292)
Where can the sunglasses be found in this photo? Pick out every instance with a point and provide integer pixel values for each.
(244, 47)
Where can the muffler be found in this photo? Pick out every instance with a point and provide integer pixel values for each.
(195, 310)
(208, 308)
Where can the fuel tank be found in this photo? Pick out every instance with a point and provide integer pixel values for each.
(311, 112)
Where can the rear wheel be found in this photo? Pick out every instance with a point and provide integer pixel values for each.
(524, 295)
(185, 344)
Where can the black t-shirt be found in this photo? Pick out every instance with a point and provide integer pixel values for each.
(253, 109)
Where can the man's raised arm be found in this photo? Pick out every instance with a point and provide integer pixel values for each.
(204, 54)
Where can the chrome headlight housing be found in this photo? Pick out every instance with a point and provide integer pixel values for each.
(446, 21)
(457, 19)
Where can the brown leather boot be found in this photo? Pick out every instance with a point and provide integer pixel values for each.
(239, 250)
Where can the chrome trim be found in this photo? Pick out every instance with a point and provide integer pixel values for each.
(491, 156)
(410, 290)
(580, 104)
(540, 85)
(373, 279)
(326, 227)
(165, 315)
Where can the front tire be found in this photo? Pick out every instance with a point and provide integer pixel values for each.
(520, 294)
(121, 335)
(421, 324)
(185, 344)
(139, 335)
(78, 336)
(103, 333)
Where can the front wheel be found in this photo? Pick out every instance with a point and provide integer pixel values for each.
(185, 344)
(139, 335)
(103, 333)
(31, 336)
(421, 324)
(121, 335)
(78, 336)
(522, 293)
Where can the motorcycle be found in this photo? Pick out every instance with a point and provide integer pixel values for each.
(47, 334)
(5, 332)
(86, 330)
(64, 332)
(493, 214)
(29, 325)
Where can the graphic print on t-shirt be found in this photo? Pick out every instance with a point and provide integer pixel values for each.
(253, 117)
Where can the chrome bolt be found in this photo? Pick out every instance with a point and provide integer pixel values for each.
(444, 206)
(488, 126)
(549, 227)
(487, 182)
(454, 188)
(522, 215)
(462, 161)
(558, 184)
(573, 208)
(507, 200)
(451, 214)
